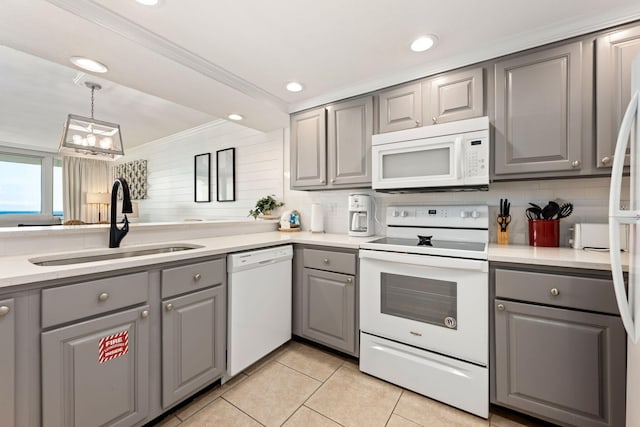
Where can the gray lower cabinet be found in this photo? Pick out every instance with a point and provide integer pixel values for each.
(538, 112)
(193, 342)
(453, 96)
(84, 385)
(8, 362)
(328, 304)
(614, 52)
(400, 108)
(559, 345)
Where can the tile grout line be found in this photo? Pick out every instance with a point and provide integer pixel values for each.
(305, 374)
(395, 406)
(323, 415)
(230, 403)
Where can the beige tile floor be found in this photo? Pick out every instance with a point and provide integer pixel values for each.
(302, 385)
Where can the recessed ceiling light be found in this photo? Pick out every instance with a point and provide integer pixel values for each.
(423, 43)
(88, 64)
(148, 2)
(294, 87)
(235, 116)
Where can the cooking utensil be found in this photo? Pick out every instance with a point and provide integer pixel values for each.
(551, 210)
(533, 213)
(533, 205)
(565, 210)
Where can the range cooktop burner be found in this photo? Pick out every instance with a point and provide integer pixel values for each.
(424, 240)
(427, 242)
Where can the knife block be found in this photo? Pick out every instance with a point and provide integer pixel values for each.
(503, 237)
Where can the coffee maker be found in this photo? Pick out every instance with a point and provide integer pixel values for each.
(360, 215)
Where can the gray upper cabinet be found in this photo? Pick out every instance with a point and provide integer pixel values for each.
(7, 362)
(538, 111)
(82, 387)
(566, 366)
(308, 149)
(193, 342)
(453, 96)
(400, 108)
(614, 53)
(335, 140)
(349, 131)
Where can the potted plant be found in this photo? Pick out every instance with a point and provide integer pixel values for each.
(264, 206)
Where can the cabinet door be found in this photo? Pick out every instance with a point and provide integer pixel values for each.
(349, 130)
(96, 372)
(329, 311)
(614, 53)
(538, 106)
(400, 108)
(453, 96)
(193, 342)
(308, 149)
(7, 362)
(563, 365)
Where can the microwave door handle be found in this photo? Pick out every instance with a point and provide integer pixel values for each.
(458, 156)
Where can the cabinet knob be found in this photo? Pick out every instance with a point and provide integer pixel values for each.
(322, 181)
(4, 310)
(349, 280)
(333, 180)
(103, 297)
(168, 307)
(434, 119)
(144, 314)
(606, 160)
(555, 292)
(197, 277)
(575, 164)
(326, 261)
(417, 123)
(500, 307)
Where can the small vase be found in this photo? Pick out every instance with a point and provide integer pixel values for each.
(266, 213)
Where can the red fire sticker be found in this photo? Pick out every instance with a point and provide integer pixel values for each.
(113, 346)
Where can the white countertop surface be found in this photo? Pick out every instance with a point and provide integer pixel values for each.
(17, 270)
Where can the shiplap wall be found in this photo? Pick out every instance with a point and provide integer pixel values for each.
(259, 166)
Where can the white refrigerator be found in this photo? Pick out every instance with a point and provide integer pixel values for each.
(628, 303)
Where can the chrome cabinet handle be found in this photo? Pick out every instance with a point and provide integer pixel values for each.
(349, 280)
(555, 292)
(326, 261)
(435, 119)
(144, 314)
(169, 307)
(103, 297)
(4, 310)
(575, 164)
(417, 123)
(333, 180)
(500, 307)
(197, 277)
(322, 181)
(606, 160)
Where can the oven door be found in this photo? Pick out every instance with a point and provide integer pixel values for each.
(435, 303)
(426, 162)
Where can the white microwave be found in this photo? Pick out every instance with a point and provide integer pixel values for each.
(444, 157)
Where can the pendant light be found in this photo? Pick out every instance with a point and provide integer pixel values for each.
(88, 137)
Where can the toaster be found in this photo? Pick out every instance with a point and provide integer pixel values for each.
(596, 236)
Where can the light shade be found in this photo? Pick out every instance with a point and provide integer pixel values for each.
(86, 137)
(98, 198)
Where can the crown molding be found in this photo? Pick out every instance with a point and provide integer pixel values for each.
(110, 20)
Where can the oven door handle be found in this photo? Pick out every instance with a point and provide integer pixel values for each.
(426, 260)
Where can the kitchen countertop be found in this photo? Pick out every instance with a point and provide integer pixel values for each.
(556, 257)
(17, 270)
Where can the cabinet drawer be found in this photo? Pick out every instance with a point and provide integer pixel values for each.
(72, 302)
(180, 280)
(340, 262)
(584, 293)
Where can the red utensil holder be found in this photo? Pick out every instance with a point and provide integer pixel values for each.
(544, 232)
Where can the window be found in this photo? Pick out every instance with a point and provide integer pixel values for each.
(30, 186)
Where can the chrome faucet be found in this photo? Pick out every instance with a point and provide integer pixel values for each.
(117, 234)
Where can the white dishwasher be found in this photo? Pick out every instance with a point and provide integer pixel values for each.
(259, 305)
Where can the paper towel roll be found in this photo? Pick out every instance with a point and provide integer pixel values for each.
(317, 218)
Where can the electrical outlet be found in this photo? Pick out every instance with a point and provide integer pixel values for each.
(332, 209)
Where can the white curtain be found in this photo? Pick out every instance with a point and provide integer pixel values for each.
(79, 177)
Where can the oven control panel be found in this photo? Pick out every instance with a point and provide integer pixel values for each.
(476, 216)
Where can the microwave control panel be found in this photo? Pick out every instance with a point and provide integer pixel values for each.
(476, 157)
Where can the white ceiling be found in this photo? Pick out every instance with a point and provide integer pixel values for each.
(235, 56)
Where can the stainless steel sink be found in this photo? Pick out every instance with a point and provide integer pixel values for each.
(102, 255)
